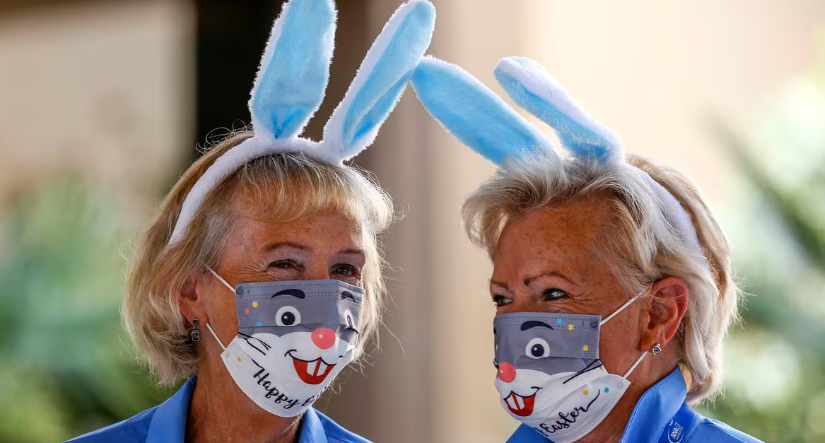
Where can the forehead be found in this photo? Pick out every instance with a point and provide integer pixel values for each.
(324, 230)
(564, 234)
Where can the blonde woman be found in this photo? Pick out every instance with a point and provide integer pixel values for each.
(260, 277)
(612, 280)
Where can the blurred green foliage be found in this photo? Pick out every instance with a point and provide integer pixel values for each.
(776, 364)
(66, 363)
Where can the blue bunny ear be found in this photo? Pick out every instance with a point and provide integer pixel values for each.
(474, 114)
(535, 90)
(380, 81)
(294, 69)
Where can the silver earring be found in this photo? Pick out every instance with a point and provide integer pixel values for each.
(657, 348)
(195, 334)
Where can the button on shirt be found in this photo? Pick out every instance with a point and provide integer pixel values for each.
(661, 415)
(166, 423)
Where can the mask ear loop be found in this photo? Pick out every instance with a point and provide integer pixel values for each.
(208, 326)
(225, 283)
(615, 313)
(632, 368)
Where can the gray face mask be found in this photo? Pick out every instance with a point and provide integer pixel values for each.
(549, 373)
(294, 337)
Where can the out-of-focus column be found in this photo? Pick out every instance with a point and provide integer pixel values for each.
(440, 387)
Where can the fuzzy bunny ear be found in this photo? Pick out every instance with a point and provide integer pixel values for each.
(294, 70)
(474, 114)
(380, 80)
(535, 90)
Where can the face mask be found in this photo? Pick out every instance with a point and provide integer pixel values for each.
(549, 373)
(294, 338)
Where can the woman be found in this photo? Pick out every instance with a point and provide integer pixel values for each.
(611, 280)
(260, 277)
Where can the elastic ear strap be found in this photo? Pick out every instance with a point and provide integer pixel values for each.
(208, 326)
(633, 368)
(225, 283)
(675, 213)
(621, 308)
(232, 160)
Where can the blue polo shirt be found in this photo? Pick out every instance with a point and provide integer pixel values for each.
(662, 416)
(166, 423)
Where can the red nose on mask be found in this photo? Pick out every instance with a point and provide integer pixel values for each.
(324, 338)
(506, 372)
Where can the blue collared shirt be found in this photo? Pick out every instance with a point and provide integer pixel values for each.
(166, 423)
(655, 415)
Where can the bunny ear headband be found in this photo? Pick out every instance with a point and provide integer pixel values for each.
(483, 121)
(293, 77)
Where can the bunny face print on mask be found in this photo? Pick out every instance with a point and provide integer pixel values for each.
(549, 373)
(294, 337)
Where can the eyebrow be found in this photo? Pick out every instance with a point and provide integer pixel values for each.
(286, 244)
(535, 324)
(503, 285)
(529, 280)
(293, 292)
(346, 294)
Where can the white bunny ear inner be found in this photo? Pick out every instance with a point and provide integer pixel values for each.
(294, 70)
(476, 115)
(535, 90)
(381, 80)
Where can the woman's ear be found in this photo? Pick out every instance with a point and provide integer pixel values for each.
(666, 311)
(191, 299)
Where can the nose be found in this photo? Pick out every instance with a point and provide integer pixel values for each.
(506, 372)
(324, 338)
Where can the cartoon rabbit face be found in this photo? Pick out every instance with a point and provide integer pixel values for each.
(537, 353)
(303, 331)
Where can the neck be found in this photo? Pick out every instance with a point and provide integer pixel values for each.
(648, 373)
(221, 412)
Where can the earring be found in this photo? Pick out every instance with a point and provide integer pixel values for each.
(657, 348)
(195, 334)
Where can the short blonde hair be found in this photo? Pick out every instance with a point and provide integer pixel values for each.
(285, 186)
(642, 246)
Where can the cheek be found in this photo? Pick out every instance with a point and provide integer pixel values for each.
(223, 314)
(619, 342)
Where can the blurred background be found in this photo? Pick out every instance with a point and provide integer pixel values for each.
(102, 105)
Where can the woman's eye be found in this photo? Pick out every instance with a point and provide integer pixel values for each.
(287, 316)
(555, 294)
(537, 348)
(284, 264)
(500, 300)
(346, 270)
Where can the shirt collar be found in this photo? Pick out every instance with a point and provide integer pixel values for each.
(312, 430)
(169, 421)
(655, 409)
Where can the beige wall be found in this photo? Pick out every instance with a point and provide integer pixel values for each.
(104, 87)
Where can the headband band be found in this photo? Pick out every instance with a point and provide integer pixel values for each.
(291, 83)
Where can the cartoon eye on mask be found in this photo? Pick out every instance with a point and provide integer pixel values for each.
(287, 316)
(537, 348)
(350, 319)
